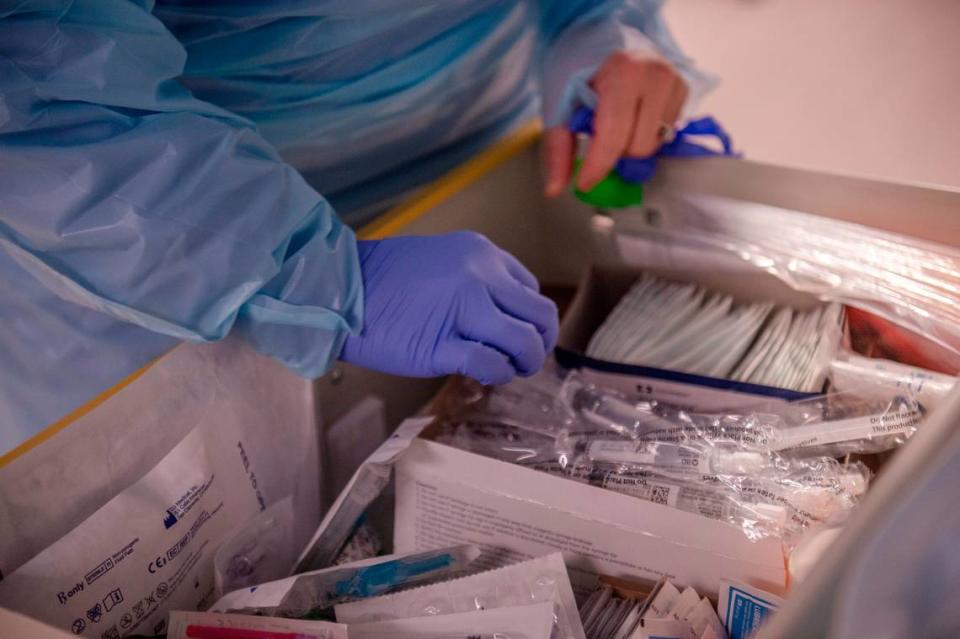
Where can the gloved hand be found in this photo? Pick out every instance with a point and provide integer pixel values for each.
(450, 304)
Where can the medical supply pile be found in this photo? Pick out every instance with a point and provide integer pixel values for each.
(722, 467)
(433, 594)
(747, 489)
(530, 599)
(539, 580)
(663, 324)
(671, 520)
(691, 451)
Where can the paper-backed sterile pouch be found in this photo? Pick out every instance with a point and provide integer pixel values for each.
(188, 624)
(531, 621)
(541, 579)
(115, 519)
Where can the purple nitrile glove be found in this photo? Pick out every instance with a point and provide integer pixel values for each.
(450, 304)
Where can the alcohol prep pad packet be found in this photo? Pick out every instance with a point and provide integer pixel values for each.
(743, 608)
(684, 327)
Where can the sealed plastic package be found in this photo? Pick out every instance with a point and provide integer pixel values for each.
(682, 326)
(347, 512)
(748, 470)
(315, 593)
(906, 281)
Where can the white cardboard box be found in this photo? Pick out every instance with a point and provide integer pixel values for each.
(601, 289)
(447, 496)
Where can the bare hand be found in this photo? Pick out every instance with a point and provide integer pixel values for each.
(638, 93)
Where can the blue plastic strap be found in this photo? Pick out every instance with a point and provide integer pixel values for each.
(642, 169)
(582, 120)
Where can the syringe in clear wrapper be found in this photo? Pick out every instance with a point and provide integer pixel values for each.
(716, 460)
(804, 503)
(715, 503)
(613, 413)
(530, 404)
(805, 498)
(503, 442)
(870, 377)
(510, 444)
(610, 412)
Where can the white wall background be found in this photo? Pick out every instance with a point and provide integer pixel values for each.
(864, 87)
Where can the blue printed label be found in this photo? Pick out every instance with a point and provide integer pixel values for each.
(745, 613)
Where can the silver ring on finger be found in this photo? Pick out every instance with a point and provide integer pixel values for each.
(666, 133)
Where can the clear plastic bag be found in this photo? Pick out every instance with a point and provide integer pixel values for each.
(527, 403)
(755, 470)
(348, 511)
(835, 424)
(509, 443)
(603, 412)
(909, 282)
(691, 493)
(262, 550)
(870, 377)
(783, 499)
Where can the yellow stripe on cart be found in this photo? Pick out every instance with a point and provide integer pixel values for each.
(447, 186)
(72, 416)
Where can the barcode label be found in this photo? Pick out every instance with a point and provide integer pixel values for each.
(660, 495)
(664, 494)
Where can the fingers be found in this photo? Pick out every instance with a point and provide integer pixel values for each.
(637, 94)
(519, 340)
(519, 272)
(558, 148)
(652, 114)
(494, 346)
(617, 96)
(482, 363)
(530, 307)
(678, 97)
(660, 106)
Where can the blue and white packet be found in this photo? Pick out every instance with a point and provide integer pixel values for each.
(743, 608)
